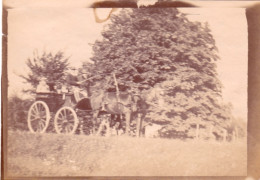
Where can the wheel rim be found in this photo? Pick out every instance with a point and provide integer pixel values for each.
(38, 117)
(66, 121)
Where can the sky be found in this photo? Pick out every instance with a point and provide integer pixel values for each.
(72, 30)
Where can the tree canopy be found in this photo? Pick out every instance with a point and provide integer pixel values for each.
(146, 47)
(52, 66)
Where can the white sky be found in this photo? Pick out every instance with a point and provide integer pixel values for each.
(72, 29)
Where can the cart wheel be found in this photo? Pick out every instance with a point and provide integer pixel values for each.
(38, 117)
(66, 121)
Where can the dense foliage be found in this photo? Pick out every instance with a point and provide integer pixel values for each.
(17, 113)
(48, 65)
(149, 47)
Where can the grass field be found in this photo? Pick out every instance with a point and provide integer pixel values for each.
(77, 155)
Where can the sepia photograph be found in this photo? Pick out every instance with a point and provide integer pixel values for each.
(126, 92)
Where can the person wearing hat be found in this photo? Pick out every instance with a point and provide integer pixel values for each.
(72, 77)
(73, 80)
(42, 87)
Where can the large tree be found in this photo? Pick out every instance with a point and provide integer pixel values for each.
(145, 47)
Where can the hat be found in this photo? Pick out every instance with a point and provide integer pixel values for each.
(43, 79)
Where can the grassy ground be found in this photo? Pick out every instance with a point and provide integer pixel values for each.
(77, 155)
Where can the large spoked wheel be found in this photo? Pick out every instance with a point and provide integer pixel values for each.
(66, 121)
(38, 117)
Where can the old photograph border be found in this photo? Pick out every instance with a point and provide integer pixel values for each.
(253, 17)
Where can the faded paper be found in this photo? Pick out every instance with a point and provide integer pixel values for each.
(72, 30)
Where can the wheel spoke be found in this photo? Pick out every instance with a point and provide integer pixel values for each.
(33, 119)
(59, 127)
(38, 106)
(43, 121)
(71, 127)
(65, 113)
(34, 124)
(70, 118)
(37, 109)
(66, 129)
(42, 108)
(42, 113)
(65, 120)
(43, 118)
(34, 110)
(60, 120)
(40, 126)
(61, 114)
(34, 115)
(63, 128)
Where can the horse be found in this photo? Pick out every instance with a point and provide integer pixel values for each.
(122, 103)
(145, 103)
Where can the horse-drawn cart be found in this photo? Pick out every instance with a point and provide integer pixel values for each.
(49, 104)
(69, 116)
(69, 110)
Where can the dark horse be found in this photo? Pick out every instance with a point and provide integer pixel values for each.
(123, 103)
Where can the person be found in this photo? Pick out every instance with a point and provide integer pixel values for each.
(42, 87)
(73, 80)
(72, 77)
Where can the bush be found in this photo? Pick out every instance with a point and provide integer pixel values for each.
(17, 113)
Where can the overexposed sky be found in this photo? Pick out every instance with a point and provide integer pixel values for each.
(73, 29)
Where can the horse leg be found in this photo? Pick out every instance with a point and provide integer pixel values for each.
(107, 120)
(127, 118)
(95, 119)
(113, 120)
(138, 125)
(119, 123)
